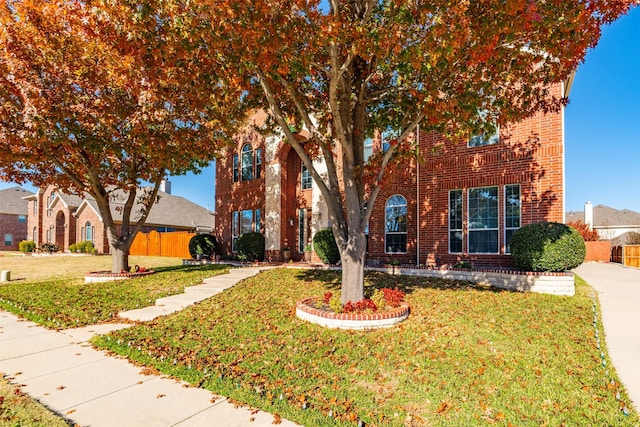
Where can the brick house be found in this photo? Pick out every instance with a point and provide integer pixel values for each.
(65, 219)
(13, 217)
(612, 224)
(463, 202)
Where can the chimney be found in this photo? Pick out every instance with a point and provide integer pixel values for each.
(165, 185)
(588, 215)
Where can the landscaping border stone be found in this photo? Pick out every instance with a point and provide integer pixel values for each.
(107, 276)
(362, 321)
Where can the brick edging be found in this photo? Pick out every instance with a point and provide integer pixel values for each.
(393, 313)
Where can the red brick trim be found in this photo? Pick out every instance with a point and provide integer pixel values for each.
(118, 275)
(305, 305)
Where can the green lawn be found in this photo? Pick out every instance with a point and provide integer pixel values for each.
(466, 356)
(67, 301)
(19, 410)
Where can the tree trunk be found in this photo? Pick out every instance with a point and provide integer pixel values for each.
(119, 258)
(352, 259)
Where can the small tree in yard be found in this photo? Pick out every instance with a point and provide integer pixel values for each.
(333, 73)
(98, 96)
(587, 234)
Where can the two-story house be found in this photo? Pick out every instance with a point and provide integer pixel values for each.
(464, 201)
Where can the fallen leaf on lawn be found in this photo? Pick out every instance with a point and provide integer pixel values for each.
(149, 371)
(444, 407)
(277, 419)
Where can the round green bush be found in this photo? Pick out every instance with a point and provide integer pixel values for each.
(547, 246)
(27, 246)
(325, 246)
(202, 246)
(250, 246)
(85, 247)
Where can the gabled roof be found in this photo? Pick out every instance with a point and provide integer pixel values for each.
(167, 211)
(605, 216)
(12, 201)
(71, 201)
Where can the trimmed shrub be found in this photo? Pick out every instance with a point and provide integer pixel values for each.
(547, 246)
(85, 247)
(250, 246)
(202, 246)
(325, 246)
(49, 247)
(27, 246)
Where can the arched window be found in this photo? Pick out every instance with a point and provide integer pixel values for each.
(88, 232)
(247, 163)
(396, 224)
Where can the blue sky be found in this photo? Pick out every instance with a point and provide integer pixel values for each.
(602, 128)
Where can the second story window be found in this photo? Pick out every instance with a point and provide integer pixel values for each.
(305, 178)
(258, 163)
(247, 163)
(236, 174)
(368, 149)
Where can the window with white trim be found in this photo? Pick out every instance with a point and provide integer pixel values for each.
(88, 231)
(258, 163)
(455, 221)
(512, 213)
(245, 221)
(395, 225)
(485, 139)
(483, 220)
(247, 163)
(306, 181)
(367, 149)
(236, 173)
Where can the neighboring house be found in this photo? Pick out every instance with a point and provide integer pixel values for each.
(463, 202)
(13, 217)
(611, 224)
(65, 219)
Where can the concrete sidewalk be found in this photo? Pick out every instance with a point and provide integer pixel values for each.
(91, 388)
(618, 290)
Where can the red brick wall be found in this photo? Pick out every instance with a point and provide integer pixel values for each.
(236, 196)
(9, 224)
(529, 153)
(34, 219)
(99, 236)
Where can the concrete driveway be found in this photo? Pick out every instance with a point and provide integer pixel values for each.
(618, 289)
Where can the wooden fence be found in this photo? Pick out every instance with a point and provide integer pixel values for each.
(598, 251)
(628, 255)
(173, 244)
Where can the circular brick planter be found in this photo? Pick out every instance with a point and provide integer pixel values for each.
(107, 276)
(306, 310)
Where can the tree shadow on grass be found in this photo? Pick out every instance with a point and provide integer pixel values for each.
(408, 284)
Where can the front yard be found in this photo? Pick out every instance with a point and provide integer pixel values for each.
(467, 355)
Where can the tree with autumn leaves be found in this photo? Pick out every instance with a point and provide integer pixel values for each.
(333, 73)
(98, 97)
(330, 74)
